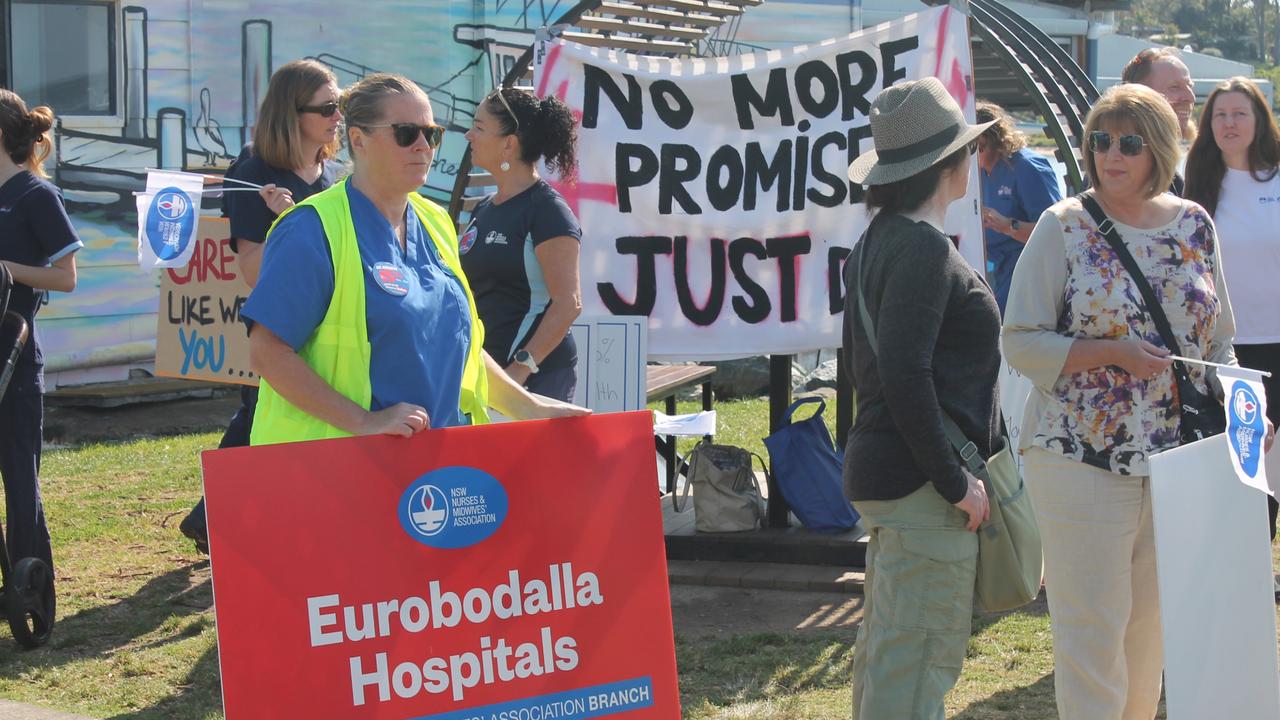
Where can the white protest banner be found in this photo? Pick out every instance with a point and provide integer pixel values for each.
(713, 194)
(1246, 406)
(168, 214)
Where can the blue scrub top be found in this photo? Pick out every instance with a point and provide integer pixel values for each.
(418, 317)
(1020, 188)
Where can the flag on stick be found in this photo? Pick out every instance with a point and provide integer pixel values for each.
(1246, 402)
(168, 214)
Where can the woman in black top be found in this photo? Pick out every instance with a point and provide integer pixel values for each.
(520, 251)
(292, 157)
(38, 247)
(937, 328)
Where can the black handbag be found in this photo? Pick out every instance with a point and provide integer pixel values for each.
(1201, 415)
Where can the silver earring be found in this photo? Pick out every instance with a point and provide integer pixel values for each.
(504, 166)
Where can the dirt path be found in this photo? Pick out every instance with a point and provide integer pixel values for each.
(701, 611)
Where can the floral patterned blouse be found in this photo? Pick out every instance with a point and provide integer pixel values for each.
(1070, 284)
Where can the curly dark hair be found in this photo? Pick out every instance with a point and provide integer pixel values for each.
(545, 127)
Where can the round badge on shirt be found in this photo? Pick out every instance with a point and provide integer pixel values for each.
(468, 239)
(391, 279)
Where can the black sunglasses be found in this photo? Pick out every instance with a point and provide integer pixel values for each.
(325, 110)
(1100, 142)
(406, 134)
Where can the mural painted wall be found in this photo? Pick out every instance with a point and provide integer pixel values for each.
(191, 75)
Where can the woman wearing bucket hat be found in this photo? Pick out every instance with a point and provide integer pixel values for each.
(937, 328)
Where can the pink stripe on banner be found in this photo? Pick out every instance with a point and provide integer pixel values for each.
(953, 77)
(547, 67)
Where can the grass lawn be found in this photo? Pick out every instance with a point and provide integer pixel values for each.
(135, 638)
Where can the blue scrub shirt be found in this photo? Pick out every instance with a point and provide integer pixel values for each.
(417, 313)
(1020, 188)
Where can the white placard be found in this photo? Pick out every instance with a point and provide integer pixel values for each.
(1217, 610)
(612, 354)
(1014, 391)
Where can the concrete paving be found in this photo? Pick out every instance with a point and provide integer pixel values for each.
(10, 710)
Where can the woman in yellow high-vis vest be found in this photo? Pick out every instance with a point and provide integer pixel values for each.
(362, 320)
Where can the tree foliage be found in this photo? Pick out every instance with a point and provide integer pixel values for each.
(1241, 30)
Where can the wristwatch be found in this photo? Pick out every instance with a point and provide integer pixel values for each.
(525, 358)
(1013, 225)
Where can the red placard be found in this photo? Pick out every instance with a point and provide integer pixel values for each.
(503, 571)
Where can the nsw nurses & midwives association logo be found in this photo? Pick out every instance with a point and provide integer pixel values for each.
(170, 222)
(1245, 427)
(453, 507)
(1245, 405)
(428, 510)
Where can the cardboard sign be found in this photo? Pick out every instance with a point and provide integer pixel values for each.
(199, 335)
(501, 571)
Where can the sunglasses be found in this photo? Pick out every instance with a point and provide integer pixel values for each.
(973, 147)
(507, 105)
(1100, 142)
(325, 110)
(406, 134)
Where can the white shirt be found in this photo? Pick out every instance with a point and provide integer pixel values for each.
(1248, 221)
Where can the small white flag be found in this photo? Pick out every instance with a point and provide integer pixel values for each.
(1246, 406)
(168, 215)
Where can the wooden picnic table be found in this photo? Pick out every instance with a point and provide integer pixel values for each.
(665, 382)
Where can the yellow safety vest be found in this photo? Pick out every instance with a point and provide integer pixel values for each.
(338, 351)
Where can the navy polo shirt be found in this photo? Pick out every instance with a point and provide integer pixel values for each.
(249, 214)
(34, 230)
(416, 311)
(498, 257)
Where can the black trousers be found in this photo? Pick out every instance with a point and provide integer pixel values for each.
(558, 384)
(236, 435)
(21, 430)
(1266, 357)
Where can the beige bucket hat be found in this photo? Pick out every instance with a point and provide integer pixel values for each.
(914, 125)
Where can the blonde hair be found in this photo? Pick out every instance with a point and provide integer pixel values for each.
(26, 139)
(1148, 114)
(277, 139)
(362, 102)
(1006, 138)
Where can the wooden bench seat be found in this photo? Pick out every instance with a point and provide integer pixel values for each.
(665, 382)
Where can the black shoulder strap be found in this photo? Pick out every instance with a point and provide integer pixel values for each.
(1149, 299)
